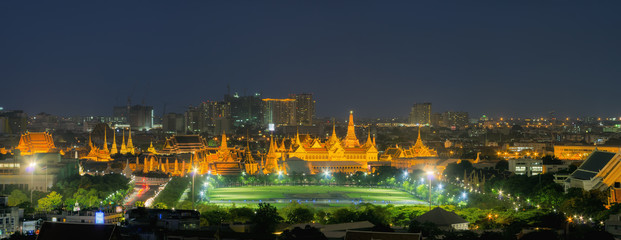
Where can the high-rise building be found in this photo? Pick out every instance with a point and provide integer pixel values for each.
(279, 111)
(455, 119)
(141, 117)
(245, 110)
(13, 122)
(173, 123)
(305, 108)
(421, 114)
(203, 117)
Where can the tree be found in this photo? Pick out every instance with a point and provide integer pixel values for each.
(546, 234)
(139, 204)
(502, 165)
(50, 202)
(375, 214)
(241, 214)
(343, 215)
(266, 219)
(300, 214)
(17, 197)
(308, 232)
(428, 229)
(160, 206)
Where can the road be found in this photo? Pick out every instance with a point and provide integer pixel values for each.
(141, 193)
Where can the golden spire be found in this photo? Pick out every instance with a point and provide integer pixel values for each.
(123, 146)
(105, 143)
(350, 139)
(271, 164)
(272, 148)
(223, 142)
(114, 150)
(333, 139)
(297, 138)
(176, 166)
(90, 143)
(291, 145)
(418, 139)
(151, 149)
(282, 145)
(130, 144)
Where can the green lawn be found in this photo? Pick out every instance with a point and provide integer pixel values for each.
(307, 193)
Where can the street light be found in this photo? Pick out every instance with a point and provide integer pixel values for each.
(32, 169)
(193, 174)
(429, 175)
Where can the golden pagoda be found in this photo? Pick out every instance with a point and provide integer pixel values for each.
(151, 149)
(401, 157)
(98, 154)
(350, 140)
(115, 149)
(250, 165)
(123, 146)
(36, 142)
(130, 144)
(271, 165)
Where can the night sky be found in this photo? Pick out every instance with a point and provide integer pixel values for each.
(500, 58)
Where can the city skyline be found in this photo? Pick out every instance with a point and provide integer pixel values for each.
(499, 59)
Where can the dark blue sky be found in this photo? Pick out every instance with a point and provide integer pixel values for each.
(518, 58)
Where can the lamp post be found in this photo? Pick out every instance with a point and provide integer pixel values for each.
(429, 175)
(193, 174)
(32, 169)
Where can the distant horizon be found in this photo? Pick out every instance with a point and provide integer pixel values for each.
(345, 114)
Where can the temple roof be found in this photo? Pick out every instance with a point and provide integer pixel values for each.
(441, 217)
(596, 161)
(35, 142)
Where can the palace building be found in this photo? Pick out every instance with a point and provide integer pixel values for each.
(404, 158)
(332, 155)
(36, 142)
(579, 153)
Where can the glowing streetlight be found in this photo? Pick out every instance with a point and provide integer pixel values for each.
(32, 170)
(193, 174)
(429, 175)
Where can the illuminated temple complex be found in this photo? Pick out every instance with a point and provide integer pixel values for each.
(183, 154)
(401, 157)
(332, 155)
(35, 142)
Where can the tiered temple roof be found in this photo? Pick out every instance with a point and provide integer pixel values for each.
(419, 150)
(36, 142)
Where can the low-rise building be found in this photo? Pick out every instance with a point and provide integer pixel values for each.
(90, 216)
(524, 166)
(9, 218)
(613, 225)
(36, 172)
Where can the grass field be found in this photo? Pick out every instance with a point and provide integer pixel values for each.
(328, 196)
